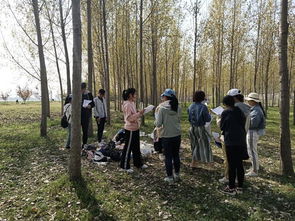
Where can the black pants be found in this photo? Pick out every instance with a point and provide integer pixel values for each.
(158, 146)
(85, 125)
(171, 151)
(100, 128)
(235, 165)
(132, 143)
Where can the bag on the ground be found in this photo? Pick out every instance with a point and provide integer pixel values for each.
(111, 151)
(99, 157)
(64, 122)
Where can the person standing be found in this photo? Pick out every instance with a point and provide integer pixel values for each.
(132, 139)
(86, 111)
(239, 102)
(100, 113)
(198, 117)
(256, 129)
(169, 115)
(232, 125)
(68, 114)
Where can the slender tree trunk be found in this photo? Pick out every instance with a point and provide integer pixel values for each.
(232, 76)
(107, 75)
(64, 39)
(56, 59)
(285, 142)
(256, 65)
(141, 57)
(90, 58)
(43, 74)
(75, 154)
(195, 45)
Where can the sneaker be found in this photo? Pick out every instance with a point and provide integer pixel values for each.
(169, 180)
(129, 170)
(223, 180)
(161, 157)
(251, 174)
(228, 191)
(126, 170)
(239, 190)
(144, 166)
(176, 177)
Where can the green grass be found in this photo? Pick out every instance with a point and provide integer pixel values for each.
(34, 184)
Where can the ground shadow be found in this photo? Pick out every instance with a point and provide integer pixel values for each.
(89, 201)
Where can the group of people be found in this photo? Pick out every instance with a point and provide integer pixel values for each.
(98, 104)
(241, 126)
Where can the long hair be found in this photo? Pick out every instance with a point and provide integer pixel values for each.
(262, 109)
(173, 103)
(68, 99)
(126, 93)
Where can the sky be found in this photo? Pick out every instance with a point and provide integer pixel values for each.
(11, 75)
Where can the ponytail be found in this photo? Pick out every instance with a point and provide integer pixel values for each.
(126, 93)
(262, 109)
(173, 103)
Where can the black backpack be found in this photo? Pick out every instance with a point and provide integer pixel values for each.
(64, 121)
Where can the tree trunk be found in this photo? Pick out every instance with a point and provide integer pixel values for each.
(256, 65)
(285, 142)
(154, 53)
(232, 76)
(141, 57)
(43, 74)
(75, 154)
(56, 59)
(90, 58)
(195, 45)
(64, 39)
(107, 76)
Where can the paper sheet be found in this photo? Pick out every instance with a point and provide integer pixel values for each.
(148, 109)
(86, 103)
(218, 110)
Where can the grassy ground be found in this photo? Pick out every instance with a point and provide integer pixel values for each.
(34, 184)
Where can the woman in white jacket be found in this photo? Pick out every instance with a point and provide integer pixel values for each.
(68, 113)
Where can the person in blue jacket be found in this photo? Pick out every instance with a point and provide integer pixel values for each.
(256, 129)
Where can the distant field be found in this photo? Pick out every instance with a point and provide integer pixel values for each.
(34, 184)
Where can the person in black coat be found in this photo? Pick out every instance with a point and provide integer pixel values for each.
(233, 129)
(86, 111)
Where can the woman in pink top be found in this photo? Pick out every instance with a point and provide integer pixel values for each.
(132, 142)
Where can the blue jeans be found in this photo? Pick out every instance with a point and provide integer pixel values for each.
(171, 147)
(68, 144)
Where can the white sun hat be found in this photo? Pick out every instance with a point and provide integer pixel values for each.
(253, 97)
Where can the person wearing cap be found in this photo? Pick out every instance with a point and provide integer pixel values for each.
(86, 112)
(68, 114)
(100, 113)
(198, 116)
(232, 126)
(168, 119)
(256, 129)
(239, 102)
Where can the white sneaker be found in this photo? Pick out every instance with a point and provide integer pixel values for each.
(251, 174)
(130, 170)
(169, 180)
(126, 170)
(223, 180)
(176, 177)
(161, 157)
(144, 166)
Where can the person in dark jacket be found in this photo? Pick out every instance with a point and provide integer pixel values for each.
(86, 110)
(232, 126)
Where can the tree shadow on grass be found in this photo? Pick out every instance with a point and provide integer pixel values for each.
(89, 201)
